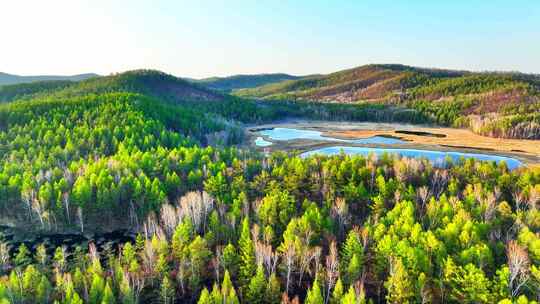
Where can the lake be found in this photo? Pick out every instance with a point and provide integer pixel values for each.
(438, 158)
(292, 134)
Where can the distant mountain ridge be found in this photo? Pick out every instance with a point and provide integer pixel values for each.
(8, 79)
(150, 82)
(391, 82)
(242, 81)
(395, 83)
(498, 104)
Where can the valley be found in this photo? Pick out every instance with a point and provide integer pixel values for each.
(270, 152)
(142, 187)
(390, 135)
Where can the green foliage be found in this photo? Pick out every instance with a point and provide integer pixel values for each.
(314, 295)
(247, 253)
(217, 218)
(256, 291)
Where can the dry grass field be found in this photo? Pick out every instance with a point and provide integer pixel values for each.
(459, 138)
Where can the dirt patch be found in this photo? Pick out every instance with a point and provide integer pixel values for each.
(459, 138)
(420, 133)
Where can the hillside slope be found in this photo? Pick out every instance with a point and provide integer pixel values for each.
(7, 79)
(149, 82)
(494, 104)
(393, 82)
(236, 82)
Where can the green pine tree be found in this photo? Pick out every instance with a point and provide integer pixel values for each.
(314, 295)
(247, 254)
(256, 288)
(273, 291)
(167, 291)
(108, 296)
(337, 293)
(399, 285)
(205, 297)
(350, 297)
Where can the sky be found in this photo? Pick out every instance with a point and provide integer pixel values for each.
(199, 38)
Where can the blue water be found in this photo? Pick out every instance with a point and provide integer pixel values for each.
(259, 141)
(438, 158)
(290, 134)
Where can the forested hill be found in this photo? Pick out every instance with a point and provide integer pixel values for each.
(493, 104)
(236, 82)
(6, 79)
(148, 82)
(394, 82)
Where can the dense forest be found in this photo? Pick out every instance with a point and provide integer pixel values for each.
(218, 224)
(236, 82)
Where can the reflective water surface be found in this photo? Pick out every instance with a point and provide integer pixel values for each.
(290, 134)
(438, 158)
(259, 141)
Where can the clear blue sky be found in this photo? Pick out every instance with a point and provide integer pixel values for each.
(198, 38)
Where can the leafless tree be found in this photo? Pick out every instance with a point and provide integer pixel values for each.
(216, 263)
(136, 283)
(196, 206)
(289, 256)
(81, 218)
(518, 264)
(151, 225)
(266, 256)
(28, 197)
(37, 208)
(489, 204)
(149, 257)
(169, 219)
(520, 200)
(340, 213)
(306, 258)
(406, 168)
(534, 197)
(423, 195)
(65, 200)
(439, 180)
(332, 270)
(181, 275)
(4, 255)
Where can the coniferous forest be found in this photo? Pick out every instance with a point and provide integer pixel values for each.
(213, 222)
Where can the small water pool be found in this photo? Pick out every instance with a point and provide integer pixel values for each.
(259, 141)
(290, 134)
(438, 158)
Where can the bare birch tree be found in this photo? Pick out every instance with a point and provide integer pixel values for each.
(518, 264)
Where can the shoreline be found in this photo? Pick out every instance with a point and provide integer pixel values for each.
(422, 137)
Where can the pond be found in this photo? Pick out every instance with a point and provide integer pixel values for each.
(291, 134)
(438, 158)
(261, 142)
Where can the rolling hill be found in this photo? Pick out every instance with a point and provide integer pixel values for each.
(237, 82)
(394, 82)
(7, 79)
(494, 104)
(149, 82)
